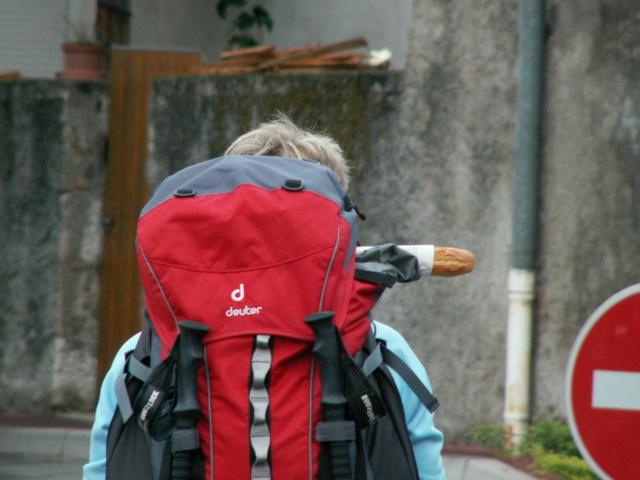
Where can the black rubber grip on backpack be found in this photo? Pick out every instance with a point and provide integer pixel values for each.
(182, 465)
(334, 403)
(187, 409)
(339, 450)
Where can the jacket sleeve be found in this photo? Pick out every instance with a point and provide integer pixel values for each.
(426, 439)
(96, 468)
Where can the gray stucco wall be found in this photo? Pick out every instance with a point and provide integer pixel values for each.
(193, 119)
(590, 216)
(440, 172)
(188, 24)
(52, 140)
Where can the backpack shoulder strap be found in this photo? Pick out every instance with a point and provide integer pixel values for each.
(410, 378)
(380, 355)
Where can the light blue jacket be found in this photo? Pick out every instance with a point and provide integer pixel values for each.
(427, 440)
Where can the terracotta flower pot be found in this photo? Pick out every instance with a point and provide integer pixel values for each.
(83, 61)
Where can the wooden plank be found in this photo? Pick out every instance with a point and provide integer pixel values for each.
(126, 191)
(260, 51)
(242, 62)
(314, 51)
(321, 64)
(329, 60)
(219, 69)
(290, 51)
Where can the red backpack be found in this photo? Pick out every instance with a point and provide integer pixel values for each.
(256, 332)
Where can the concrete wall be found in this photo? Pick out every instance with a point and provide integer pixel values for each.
(188, 24)
(193, 119)
(590, 228)
(195, 24)
(456, 132)
(52, 141)
(440, 172)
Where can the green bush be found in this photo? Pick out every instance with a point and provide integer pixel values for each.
(548, 441)
(567, 467)
(553, 436)
(490, 436)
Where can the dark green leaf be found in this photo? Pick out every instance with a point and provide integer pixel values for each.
(222, 9)
(263, 19)
(244, 21)
(224, 4)
(242, 41)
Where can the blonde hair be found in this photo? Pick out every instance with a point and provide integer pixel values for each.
(282, 138)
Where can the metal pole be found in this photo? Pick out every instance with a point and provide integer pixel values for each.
(522, 276)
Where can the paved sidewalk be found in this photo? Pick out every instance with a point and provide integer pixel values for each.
(461, 467)
(22, 467)
(58, 453)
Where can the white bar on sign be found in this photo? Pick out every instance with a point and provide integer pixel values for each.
(616, 390)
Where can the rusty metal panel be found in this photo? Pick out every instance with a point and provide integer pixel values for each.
(130, 74)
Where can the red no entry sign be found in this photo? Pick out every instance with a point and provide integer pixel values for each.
(603, 387)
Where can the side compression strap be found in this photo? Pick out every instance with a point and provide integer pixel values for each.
(373, 361)
(122, 397)
(381, 354)
(138, 369)
(133, 367)
(259, 401)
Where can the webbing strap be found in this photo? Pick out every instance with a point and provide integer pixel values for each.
(184, 439)
(122, 397)
(138, 369)
(410, 378)
(336, 431)
(373, 361)
(259, 401)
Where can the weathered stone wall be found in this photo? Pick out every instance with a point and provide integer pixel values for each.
(441, 172)
(455, 129)
(193, 119)
(52, 141)
(590, 189)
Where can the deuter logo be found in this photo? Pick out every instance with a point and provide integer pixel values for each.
(241, 312)
(237, 295)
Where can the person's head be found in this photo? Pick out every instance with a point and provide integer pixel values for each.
(282, 138)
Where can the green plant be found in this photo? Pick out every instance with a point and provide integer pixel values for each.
(566, 466)
(490, 436)
(548, 442)
(251, 18)
(552, 435)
